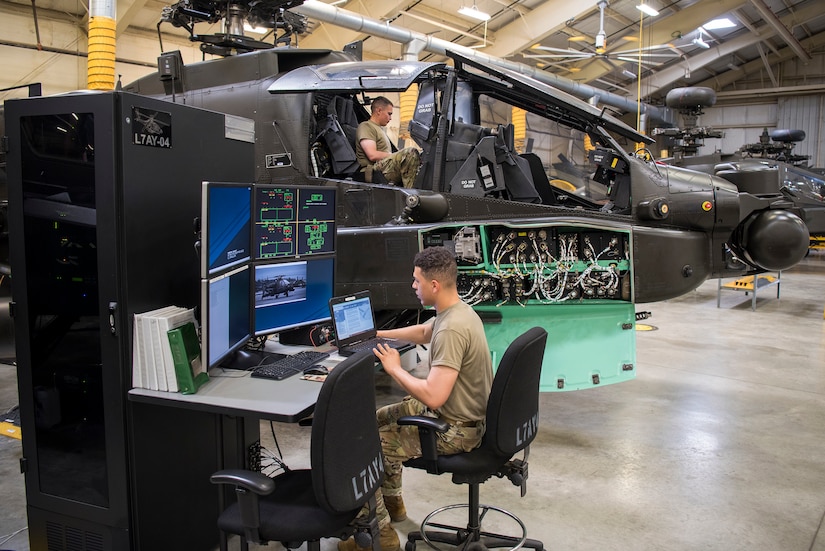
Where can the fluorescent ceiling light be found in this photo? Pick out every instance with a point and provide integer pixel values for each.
(721, 23)
(646, 8)
(701, 43)
(628, 74)
(474, 12)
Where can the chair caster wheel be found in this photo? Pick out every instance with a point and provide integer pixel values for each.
(409, 546)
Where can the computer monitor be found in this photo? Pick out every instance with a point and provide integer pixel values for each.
(226, 226)
(293, 221)
(291, 294)
(226, 322)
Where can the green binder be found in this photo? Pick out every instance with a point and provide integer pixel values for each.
(186, 354)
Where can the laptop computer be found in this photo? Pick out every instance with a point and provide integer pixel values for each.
(353, 320)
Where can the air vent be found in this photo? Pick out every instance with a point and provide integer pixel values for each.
(67, 538)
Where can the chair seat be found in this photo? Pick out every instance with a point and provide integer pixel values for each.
(290, 512)
(475, 466)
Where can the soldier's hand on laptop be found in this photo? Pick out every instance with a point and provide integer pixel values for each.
(388, 356)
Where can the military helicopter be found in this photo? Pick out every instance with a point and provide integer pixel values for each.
(766, 167)
(276, 287)
(528, 252)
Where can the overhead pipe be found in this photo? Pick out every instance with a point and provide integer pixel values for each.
(357, 22)
(101, 62)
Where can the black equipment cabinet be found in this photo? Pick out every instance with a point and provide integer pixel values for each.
(104, 189)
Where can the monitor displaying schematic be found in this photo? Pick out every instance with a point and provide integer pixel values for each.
(225, 314)
(226, 226)
(291, 294)
(293, 221)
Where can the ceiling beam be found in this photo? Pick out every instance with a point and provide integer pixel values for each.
(762, 93)
(526, 30)
(767, 65)
(509, 4)
(42, 13)
(655, 82)
(487, 37)
(126, 12)
(722, 81)
(771, 19)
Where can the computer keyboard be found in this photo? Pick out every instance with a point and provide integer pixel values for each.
(289, 366)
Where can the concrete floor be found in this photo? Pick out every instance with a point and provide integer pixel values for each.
(719, 443)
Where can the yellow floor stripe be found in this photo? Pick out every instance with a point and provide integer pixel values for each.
(10, 430)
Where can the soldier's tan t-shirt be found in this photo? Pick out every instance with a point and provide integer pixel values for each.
(368, 130)
(459, 342)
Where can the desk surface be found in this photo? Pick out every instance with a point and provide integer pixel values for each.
(231, 392)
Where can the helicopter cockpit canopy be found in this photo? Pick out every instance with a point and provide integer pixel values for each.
(390, 76)
(542, 99)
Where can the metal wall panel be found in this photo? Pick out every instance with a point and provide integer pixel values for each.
(741, 124)
(804, 113)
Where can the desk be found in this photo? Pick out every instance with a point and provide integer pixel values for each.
(236, 393)
(180, 440)
(230, 392)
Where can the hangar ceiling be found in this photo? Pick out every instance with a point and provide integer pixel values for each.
(607, 44)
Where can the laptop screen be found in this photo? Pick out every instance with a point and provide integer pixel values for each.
(353, 317)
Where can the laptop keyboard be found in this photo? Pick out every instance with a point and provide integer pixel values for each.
(289, 366)
(369, 344)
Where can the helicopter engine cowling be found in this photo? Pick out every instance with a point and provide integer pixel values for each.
(771, 239)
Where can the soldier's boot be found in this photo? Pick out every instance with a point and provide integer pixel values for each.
(395, 506)
(388, 539)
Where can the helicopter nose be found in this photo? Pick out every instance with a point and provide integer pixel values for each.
(772, 239)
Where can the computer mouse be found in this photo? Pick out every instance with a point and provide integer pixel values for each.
(316, 369)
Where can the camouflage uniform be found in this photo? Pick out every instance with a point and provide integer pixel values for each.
(400, 443)
(402, 166)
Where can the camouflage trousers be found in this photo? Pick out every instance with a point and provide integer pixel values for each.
(400, 443)
(402, 166)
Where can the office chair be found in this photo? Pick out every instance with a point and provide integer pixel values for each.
(347, 468)
(512, 423)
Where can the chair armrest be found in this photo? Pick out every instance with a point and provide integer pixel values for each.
(427, 429)
(249, 480)
(438, 425)
(248, 486)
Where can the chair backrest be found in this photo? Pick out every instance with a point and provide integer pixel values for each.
(540, 180)
(513, 406)
(345, 451)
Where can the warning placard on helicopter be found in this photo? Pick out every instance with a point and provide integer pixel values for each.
(151, 128)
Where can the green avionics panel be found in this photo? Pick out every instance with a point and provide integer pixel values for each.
(573, 280)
